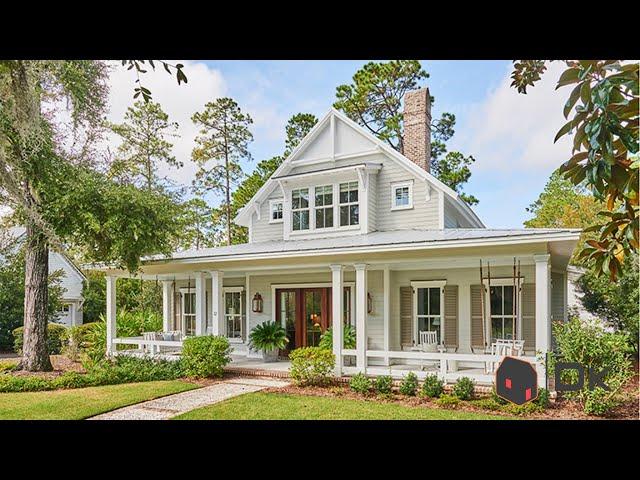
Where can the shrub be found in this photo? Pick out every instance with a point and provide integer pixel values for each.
(409, 385)
(57, 336)
(384, 385)
(520, 410)
(348, 338)
(499, 400)
(205, 356)
(487, 404)
(432, 387)
(7, 366)
(78, 337)
(359, 383)
(311, 365)
(463, 388)
(268, 336)
(448, 401)
(543, 399)
(588, 344)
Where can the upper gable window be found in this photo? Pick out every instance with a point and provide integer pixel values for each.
(275, 211)
(402, 195)
(349, 207)
(324, 206)
(300, 209)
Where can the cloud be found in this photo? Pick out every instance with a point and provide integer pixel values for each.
(180, 102)
(510, 132)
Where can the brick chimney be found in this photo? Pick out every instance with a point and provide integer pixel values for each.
(416, 143)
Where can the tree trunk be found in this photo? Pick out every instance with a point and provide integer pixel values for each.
(228, 193)
(35, 357)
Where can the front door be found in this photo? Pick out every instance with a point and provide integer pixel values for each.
(305, 314)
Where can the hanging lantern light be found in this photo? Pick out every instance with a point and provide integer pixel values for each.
(369, 303)
(256, 303)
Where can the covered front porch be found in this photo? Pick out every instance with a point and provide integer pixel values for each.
(390, 301)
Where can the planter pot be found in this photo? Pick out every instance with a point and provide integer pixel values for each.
(270, 356)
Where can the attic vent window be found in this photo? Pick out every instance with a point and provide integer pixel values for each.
(402, 195)
(275, 211)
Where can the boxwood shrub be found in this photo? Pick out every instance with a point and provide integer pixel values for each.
(463, 388)
(432, 387)
(205, 356)
(409, 385)
(359, 383)
(311, 365)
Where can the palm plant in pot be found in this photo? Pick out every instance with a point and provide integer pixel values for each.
(269, 338)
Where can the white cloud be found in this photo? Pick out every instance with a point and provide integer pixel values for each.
(514, 132)
(180, 102)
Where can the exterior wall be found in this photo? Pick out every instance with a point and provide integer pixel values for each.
(557, 296)
(262, 230)
(72, 283)
(453, 218)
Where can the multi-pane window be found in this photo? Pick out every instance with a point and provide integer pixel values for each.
(189, 313)
(275, 211)
(349, 208)
(428, 312)
(401, 195)
(324, 206)
(502, 318)
(233, 313)
(300, 209)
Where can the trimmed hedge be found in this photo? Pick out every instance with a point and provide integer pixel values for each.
(205, 356)
(57, 337)
(311, 365)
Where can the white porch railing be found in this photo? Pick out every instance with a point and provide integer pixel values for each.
(141, 342)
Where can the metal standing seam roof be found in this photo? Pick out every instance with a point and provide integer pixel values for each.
(395, 237)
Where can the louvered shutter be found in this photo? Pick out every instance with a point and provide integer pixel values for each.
(406, 315)
(529, 316)
(476, 317)
(451, 316)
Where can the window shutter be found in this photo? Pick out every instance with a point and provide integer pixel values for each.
(529, 316)
(406, 315)
(476, 317)
(451, 316)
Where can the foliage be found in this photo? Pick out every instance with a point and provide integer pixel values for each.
(432, 387)
(615, 303)
(121, 369)
(496, 398)
(543, 399)
(448, 401)
(199, 227)
(588, 344)
(268, 336)
(144, 146)
(57, 336)
(359, 383)
(296, 129)
(374, 100)
(488, 403)
(598, 402)
(522, 410)
(409, 385)
(78, 337)
(205, 356)
(12, 295)
(141, 67)
(221, 144)
(348, 337)
(384, 385)
(463, 388)
(6, 366)
(603, 106)
(128, 324)
(311, 365)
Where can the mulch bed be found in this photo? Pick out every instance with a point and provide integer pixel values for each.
(61, 365)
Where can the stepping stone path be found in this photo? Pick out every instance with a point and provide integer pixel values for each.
(179, 403)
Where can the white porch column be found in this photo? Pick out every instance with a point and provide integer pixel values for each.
(361, 316)
(336, 314)
(111, 314)
(386, 302)
(167, 301)
(201, 305)
(217, 303)
(543, 305)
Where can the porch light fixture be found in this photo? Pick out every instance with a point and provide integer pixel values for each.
(256, 303)
(369, 303)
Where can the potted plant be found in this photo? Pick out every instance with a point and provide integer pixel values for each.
(268, 337)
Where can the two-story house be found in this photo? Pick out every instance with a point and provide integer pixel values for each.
(350, 231)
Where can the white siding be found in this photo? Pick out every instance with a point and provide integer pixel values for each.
(372, 193)
(262, 230)
(453, 218)
(71, 281)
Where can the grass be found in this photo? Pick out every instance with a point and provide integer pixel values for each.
(279, 406)
(82, 403)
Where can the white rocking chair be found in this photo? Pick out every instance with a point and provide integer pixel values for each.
(428, 342)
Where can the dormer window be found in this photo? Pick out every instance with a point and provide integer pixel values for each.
(300, 209)
(349, 207)
(324, 206)
(402, 195)
(275, 211)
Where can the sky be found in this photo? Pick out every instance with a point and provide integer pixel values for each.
(510, 135)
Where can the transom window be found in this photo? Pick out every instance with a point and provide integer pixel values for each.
(401, 195)
(349, 207)
(502, 318)
(428, 311)
(324, 206)
(275, 211)
(300, 209)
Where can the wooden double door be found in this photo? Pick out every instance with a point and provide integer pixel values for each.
(305, 313)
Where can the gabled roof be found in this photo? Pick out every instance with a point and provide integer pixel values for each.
(243, 216)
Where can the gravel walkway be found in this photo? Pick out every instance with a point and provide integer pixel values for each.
(173, 405)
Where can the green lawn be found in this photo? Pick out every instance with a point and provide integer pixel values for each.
(83, 402)
(277, 406)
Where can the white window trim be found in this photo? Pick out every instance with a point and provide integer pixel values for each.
(361, 192)
(333, 207)
(310, 208)
(427, 284)
(242, 313)
(394, 186)
(271, 204)
(183, 323)
(503, 282)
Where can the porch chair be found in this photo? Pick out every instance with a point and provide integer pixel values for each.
(428, 342)
(173, 335)
(150, 336)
